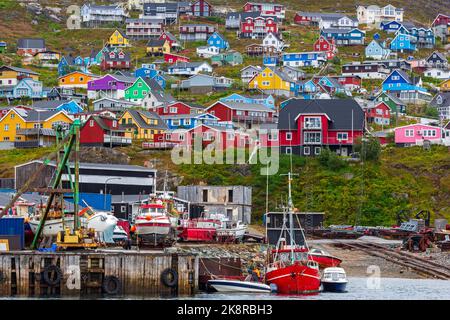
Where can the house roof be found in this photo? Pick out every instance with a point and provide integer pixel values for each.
(116, 57)
(138, 117)
(33, 43)
(104, 166)
(155, 43)
(21, 70)
(442, 96)
(396, 100)
(439, 54)
(170, 36)
(103, 124)
(244, 106)
(117, 100)
(180, 64)
(343, 30)
(281, 74)
(153, 84)
(49, 104)
(35, 116)
(338, 110)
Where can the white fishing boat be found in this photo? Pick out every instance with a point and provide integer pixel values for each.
(102, 222)
(235, 230)
(153, 222)
(334, 280)
(226, 285)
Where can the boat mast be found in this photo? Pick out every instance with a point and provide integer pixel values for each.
(291, 218)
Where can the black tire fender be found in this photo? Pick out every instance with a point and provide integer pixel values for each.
(48, 271)
(111, 285)
(169, 277)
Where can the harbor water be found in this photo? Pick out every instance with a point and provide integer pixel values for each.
(357, 289)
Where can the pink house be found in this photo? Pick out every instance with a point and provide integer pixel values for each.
(416, 134)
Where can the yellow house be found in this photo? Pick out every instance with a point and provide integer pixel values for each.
(445, 86)
(271, 80)
(142, 124)
(158, 47)
(10, 76)
(118, 39)
(21, 126)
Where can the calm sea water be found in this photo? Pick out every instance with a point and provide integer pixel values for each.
(357, 289)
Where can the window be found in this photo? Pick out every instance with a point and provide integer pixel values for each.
(288, 135)
(18, 126)
(317, 150)
(175, 122)
(288, 150)
(13, 115)
(123, 209)
(312, 123)
(230, 195)
(272, 136)
(409, 132)
(91, 123)
(205, 195)
(173, 110)
(312, 137)
(6, 127)
(306, 151)
(342, 136)
(187, 122)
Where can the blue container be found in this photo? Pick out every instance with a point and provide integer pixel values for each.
(13, 227)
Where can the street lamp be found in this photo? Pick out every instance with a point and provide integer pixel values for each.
(106, 182)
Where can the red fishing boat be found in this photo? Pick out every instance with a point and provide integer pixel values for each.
(323, 258)
(199, 229)
(289, 267)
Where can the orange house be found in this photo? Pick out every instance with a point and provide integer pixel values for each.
(76, 79)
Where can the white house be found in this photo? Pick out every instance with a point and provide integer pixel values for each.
(207, 51)
(96, 14)
(374, 14)
(328, 22)
(249, 72)
(272, 40)
(437, 73)
(189, 68)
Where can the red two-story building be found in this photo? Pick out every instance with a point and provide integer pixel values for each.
(379, 113)
(177, 108)
(244, 115)
(328, 46)
(172, 58)
(103, 131)
(307, 126)
(266, 9)
(258, 27)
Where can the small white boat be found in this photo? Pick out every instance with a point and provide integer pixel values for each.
(235, 230)
(224, 285)
(334, 280)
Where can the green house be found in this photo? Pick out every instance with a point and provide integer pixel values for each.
(3, 46)
(396, 105)
(232, 58)
(140, 88)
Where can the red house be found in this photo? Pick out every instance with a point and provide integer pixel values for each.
(266, 9)
(170, 38)
(351, 83)
(201, 8)
(258, 27)
(103, 131)
(307, 126)
(179, 108)
(307, 18)
(247, 115)
(440, 20)
(379, 113)
(328, 46)
(206, 134)
(115, 61)
(172, 58)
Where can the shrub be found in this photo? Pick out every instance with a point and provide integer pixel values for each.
(331, 160)
(369, 148)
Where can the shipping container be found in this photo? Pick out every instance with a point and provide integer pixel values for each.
(13, 226)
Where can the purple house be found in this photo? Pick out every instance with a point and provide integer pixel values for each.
(110, 86)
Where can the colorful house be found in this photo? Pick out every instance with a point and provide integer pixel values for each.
(395, 104)
(408, 89)
(445, 85)
(265, 100)
(29, 88)
(344, 37)
(142, 124)
(172, 58)
(416, 134)
(201, 8)
(30, 46)
(420, 37)
(188, 121)
(140, 88)
(115, 61)
(403, 43)
(272, 80)
(118, 39)
(169, 37)
(179, 107)
(327, 46)
(379, 113)
(231, 57)
(110, 85)
(68, 64)
(10, 76)
(76, 79)
(68, 106)
(189, 68)
(218, 40)
(258, 26)
(157, 47)
(307, 126)
(377, 51)
(103, 131)
(31, 128)
(441, 102)
(304, 59)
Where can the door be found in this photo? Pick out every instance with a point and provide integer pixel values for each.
(344, 151)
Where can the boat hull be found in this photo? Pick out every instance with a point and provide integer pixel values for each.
(197, 234)
(239, 286)
(295, 279)
(334, 286)
(153, 228)
(325, 261)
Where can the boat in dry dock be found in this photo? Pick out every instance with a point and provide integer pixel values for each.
(153, 223)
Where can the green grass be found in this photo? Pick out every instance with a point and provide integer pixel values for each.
(10, 158)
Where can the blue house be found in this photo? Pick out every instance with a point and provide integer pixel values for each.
(409, 90)
(270, 61)
(403, 43)
(306, 89)
(331, 85)
(377, 51)
(189, 121)
(303, 59)
(27, 88)
(423, 37)
(265, 100)
(68, 64)
(390, 26)
(69, 106)
(344, 37)
(145, 72)
(219, 41)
